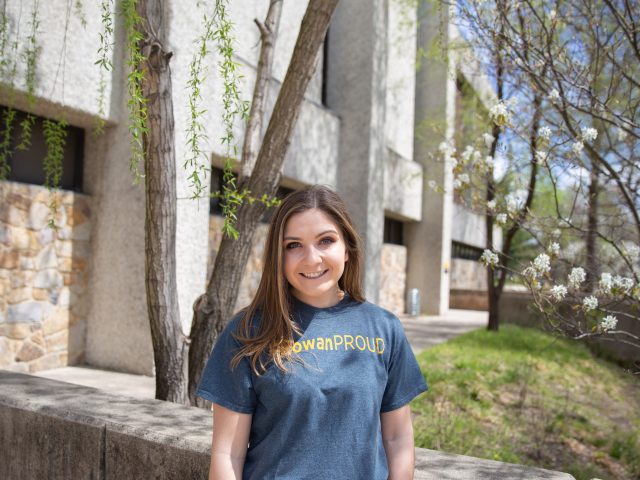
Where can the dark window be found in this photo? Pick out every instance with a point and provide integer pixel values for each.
(215, 208)
(393, 231)
(464, 251)
(27, 164)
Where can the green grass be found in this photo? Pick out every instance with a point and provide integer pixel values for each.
(523, 396)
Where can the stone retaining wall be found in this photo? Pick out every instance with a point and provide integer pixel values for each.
(43, 277)
(516, 307)
(56, 430)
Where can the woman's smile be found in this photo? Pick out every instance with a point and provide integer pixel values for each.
(313, 276)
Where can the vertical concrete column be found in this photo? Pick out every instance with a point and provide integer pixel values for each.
(429, 241)
(356, 82)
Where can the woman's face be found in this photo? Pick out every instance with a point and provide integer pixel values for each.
(314, 257)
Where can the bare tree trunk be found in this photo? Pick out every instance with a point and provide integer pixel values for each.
(169, 342)
(268, 35)
(593, 265)
(213, 309)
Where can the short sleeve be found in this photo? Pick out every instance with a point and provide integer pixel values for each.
(219, 384)
(404, 377)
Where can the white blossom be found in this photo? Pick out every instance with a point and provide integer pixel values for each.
(623, 283)
(609, 323)
(464, 178)
(554, 96)
(489, 162)
(577, 276)
(499, 114)
(556, 233)
(577, 147)
(558, 292)
(541, 156)
(457, 184)
(489, 258)
(542, 263)
(491, 205)
(589, 303)
(606, 282)
(466, 155)
(488, 139)
(554, 249)
(530, 272)
(552, 14)
(512, 202)
(445, 148)
(501, 218)
(589, 134)
(544, 132)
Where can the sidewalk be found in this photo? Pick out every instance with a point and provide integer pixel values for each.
(425, 331)
(422, 332)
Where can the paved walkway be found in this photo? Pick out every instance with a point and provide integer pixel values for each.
(422, 332)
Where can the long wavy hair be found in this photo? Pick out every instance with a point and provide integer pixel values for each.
(272, 340)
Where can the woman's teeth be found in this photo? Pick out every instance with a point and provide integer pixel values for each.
(314, 275)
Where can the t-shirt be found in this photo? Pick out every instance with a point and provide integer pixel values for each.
(320, 420)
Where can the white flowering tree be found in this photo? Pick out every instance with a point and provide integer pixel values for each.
(566, 77)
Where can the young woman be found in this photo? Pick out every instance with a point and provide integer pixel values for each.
(311, 381)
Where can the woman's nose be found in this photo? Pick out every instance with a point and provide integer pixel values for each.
(312, 255)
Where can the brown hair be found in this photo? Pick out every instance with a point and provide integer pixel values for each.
(274, 335)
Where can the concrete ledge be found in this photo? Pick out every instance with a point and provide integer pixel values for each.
(57, 430)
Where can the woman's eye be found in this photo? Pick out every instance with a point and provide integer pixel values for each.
(291, 245)
(327, 240)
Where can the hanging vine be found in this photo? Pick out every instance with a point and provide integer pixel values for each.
(30, 54)
(78, 9)
(218, 28)
(26, 130)
(136, 101)
(30, 57)
(8, 117)
(105, 52)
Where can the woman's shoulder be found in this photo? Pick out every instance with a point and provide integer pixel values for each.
(375, 309)
(235, 324)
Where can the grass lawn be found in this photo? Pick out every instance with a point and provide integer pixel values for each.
(523, 396)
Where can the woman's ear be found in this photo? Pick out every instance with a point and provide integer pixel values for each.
(346, 256)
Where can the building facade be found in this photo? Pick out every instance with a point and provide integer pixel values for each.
(369, 127)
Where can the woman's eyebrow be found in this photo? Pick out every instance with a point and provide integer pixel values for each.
(319, 235)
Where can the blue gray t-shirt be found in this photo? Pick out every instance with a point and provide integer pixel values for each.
(321, 420)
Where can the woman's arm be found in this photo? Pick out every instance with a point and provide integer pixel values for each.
(229, 443)
(397, 437)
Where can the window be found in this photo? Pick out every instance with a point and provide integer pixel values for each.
(215, 208)
(393, 231)
(27, 165)
(466, 252)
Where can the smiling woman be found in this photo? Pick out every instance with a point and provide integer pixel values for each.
(310, 366)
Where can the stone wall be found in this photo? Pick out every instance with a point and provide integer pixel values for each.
(468, 285)
(393, 277)
(56, 430)
(393, 268)
(43, 278)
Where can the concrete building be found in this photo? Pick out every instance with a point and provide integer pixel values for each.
(369, 126)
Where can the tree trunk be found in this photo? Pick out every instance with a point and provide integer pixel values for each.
(169, 342)
(213, 309)
(268, 35)
(593, 265)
